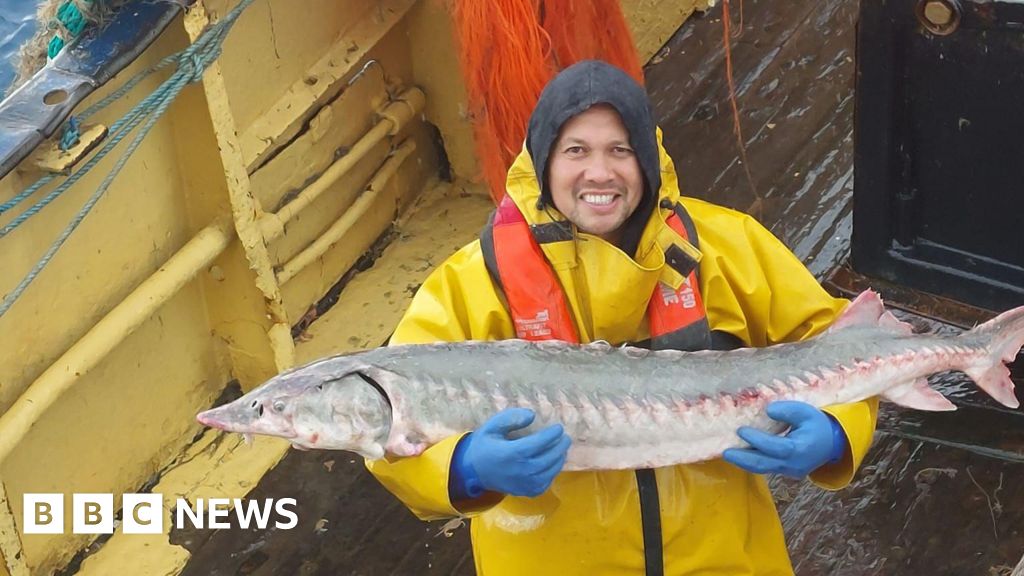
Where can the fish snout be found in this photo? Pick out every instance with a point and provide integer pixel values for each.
(207, 419)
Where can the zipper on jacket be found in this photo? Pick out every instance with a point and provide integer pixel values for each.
(650, 520)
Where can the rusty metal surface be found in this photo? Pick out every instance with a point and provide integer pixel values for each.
(936, 494)
(793, 69)
(848, 282)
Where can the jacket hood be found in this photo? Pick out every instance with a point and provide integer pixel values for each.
(575, 90)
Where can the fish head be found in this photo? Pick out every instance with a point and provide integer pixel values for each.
(349, 412)
(258, 412)
(328, 404)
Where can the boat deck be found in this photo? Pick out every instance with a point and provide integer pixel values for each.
(936, 494)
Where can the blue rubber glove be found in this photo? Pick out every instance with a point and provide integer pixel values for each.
(487, 459)
(814, 439)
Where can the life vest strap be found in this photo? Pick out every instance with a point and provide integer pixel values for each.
(539, 308)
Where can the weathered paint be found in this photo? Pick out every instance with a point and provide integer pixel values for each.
(653, 22)
(214, 467)
(444, 218)
(435, 66)
(12, 561)
(244, 208)
(119, 423)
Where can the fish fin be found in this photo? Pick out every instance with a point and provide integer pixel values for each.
(1004, 337)
(995, 381)
(919, 396)
(1006, 332)
(866, 309)
(888, 320)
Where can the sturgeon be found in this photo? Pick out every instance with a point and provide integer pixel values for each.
(622, 407)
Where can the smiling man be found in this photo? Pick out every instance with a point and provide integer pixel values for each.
(593, 241)
(593, 173)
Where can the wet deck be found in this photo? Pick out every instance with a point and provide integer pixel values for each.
(937, 492)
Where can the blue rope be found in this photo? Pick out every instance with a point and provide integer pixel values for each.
(119, 129)
(192, 62)
(27, 192)
(71, 134)
(112, 97)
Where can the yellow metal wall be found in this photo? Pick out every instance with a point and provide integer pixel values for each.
(654, 21)
(269, 118)
(127, 418)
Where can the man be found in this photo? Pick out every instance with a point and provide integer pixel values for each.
(594, 242)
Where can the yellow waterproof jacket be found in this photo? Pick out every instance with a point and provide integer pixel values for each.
(715, 517)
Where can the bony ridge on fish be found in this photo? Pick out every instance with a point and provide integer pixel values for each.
(623, 408)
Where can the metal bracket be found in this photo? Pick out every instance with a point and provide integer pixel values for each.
(37, 109)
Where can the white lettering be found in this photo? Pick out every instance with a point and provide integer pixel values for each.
(536, 327)
(668, 295)
(185, 509)
(282, 511)
(245, 510)
(218, 509)
(144, 513)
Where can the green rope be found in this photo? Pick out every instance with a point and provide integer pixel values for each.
(72, 21)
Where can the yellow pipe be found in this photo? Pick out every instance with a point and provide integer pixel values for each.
(393, 118)
(354, 213)
(113, 329)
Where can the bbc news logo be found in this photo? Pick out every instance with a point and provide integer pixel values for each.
(144, 513)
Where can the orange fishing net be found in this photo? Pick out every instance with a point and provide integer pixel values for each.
(509, 49)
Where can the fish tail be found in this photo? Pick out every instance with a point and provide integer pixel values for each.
(1004, 336)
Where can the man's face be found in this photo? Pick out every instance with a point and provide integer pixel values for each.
(593, 174)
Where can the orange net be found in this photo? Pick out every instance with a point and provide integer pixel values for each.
(591, 30)
(509, 49)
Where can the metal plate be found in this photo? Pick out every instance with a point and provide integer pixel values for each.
(35, 111)
(938, 151)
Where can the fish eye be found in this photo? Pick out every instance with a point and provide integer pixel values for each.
(278, 406)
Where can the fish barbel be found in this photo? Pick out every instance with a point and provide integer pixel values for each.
(623, 407)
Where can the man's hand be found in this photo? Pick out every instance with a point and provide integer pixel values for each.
(815, 439)
(487, 459)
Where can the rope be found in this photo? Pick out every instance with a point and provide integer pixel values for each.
(71, 134)
(70, 23)
(192, 62)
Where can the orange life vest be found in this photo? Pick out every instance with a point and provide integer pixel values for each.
(538, 307)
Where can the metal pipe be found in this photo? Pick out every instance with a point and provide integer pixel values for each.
(354, 213)
(393, 118)
(112, 330)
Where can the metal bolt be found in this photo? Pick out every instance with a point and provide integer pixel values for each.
(938, 12)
